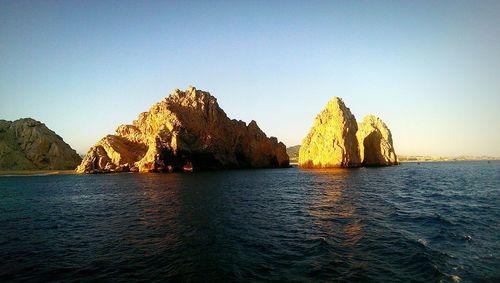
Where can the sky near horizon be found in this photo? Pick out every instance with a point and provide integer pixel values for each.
(429, 69)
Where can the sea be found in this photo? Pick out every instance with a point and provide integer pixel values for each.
(427, 222)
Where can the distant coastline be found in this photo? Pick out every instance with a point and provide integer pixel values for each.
(427, 158)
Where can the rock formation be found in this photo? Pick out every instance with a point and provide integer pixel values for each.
(336, 140)
(185, 131)
(375, 143)
(332, 141)
(27, 144)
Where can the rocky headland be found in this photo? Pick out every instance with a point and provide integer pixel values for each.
(27, 144)
(337, 140)
(186, 131)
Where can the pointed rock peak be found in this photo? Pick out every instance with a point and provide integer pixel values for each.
(190, 97)
(336, 101)
(253, 127)
(176, 92)
(189, 92)
(331, 142)
(335, 109)
(336, 114)
(252, 124)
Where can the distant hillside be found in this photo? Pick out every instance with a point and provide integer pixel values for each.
(293, 153)
(27, 144)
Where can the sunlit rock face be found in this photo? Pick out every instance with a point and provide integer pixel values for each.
(186, 131)
(375, 143)
(27, 144)
(332, 141)
(336, 140)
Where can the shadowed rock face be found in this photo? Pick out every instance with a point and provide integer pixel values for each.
(332, 140)
(336, 140)
(27, 144)
(186, 131)
(375, 143)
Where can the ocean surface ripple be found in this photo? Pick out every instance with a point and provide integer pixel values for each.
(429, 222)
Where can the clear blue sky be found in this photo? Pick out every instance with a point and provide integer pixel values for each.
(430, 70)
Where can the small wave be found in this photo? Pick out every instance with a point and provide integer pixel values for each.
(423, 242)
(433, 219)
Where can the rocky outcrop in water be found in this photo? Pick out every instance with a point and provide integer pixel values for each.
(185, 131)
(332, 140)
(336, 140)
(27, 144)
(375, 143)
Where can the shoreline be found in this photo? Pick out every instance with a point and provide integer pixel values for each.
(292, 165)
(35, 172)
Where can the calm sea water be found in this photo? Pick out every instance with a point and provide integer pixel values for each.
(430, 222)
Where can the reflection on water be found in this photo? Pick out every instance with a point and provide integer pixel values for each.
(332, 207)
(407, 223)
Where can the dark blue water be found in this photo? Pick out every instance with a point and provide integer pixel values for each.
(430, 222)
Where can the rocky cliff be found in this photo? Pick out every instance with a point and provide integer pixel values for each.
(336, 140)
(332, 140)
(375, 143)
(185, 131)
(27, 144)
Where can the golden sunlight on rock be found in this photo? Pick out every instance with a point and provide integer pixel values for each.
(27, 144)
(332, 140)
(336, 140)
(187, 131)
(375, 142)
